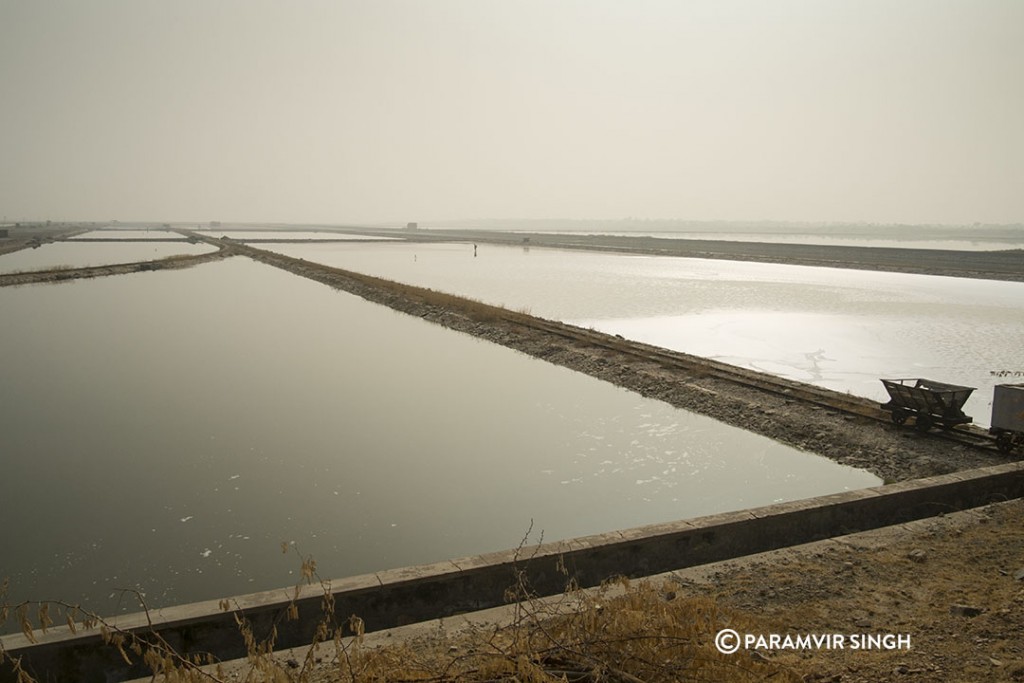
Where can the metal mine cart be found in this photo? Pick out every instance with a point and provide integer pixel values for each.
(931, 403)
(1008, 416)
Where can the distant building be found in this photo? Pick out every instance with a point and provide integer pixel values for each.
(214, 224)
(412, 226)
(3, 232)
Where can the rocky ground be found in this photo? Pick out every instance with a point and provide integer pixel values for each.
(954, 585)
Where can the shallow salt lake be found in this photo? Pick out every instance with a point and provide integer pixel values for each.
(838, 328)
(129, 235)
(167, 431)
(83, 254)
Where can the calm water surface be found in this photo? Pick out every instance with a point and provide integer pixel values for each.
(83, 254)
(838, 328)
(110, 234)
(167, 431)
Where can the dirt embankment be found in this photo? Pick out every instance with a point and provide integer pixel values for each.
(65, 274)
(891, 453)
(741, 399)
(34, 235)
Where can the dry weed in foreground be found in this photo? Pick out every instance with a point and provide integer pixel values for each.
(619, 633)
(147, 647)
(643, 634)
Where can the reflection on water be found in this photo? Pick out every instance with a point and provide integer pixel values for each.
(843, 329)
(81, 255)
(168, 431)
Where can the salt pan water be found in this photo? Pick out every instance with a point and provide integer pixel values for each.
(167, 431)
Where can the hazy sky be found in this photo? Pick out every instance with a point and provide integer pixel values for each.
(400, 110)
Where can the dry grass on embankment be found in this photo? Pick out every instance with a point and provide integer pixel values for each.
(620, 634)
(646, 634)
(63, 273)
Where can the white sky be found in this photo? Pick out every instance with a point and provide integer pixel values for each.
(394, 110)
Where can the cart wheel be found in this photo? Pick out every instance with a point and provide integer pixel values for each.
(1004, 442)
(899, 417)
(924, 423)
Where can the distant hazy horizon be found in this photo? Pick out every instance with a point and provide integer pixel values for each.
(1013, 231)
(388, 111)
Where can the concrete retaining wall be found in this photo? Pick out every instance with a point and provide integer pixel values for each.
(412, 594)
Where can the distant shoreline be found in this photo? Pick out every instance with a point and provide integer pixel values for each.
(988, 265)
(1000, 264)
